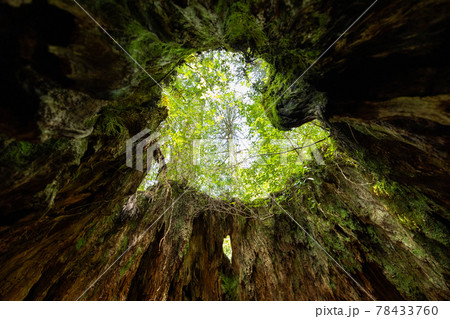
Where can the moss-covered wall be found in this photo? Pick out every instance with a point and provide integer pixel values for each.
(395, 249)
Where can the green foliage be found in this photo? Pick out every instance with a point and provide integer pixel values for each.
(227, 247)
(219, 139)
(110, 124)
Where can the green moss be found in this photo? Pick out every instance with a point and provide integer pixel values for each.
(404, 281)
(133, 224)
(105, 256)
(317, 33)
(277, 84)
(339, 246)
(419, 252)
(332, 285)
(284, 88)
(242, 28)
(373, 234)
(230, 287)
(20, 155)
(21, 149)
(128, 265)
(80, 243)
(90, 122)
(110, 10)
(125, 268)
(112, 126)
(385, 189)
(413, 210)
(186, 249)
(123, 245)
(146, 48)
(20, 152)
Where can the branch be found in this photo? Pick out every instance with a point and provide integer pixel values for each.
(293, 149)
(278, 153)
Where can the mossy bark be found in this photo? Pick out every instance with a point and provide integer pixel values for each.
(387, 248)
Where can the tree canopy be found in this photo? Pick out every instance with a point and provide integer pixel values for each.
(217, 136)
